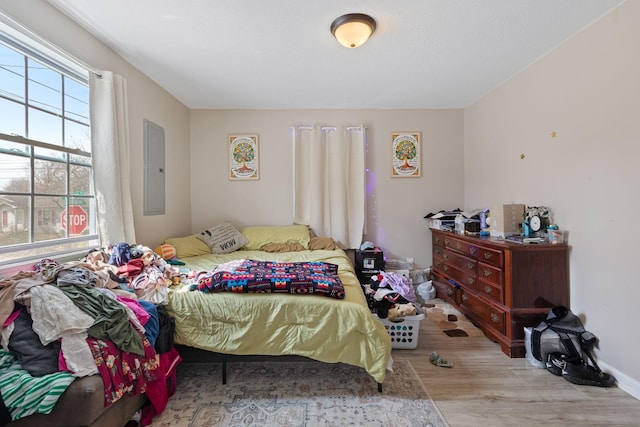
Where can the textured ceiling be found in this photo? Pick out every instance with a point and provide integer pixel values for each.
(280, 54)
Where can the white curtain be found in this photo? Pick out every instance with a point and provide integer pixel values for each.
(329, 180)
(110, 156)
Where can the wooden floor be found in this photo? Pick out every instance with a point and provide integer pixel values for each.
(487, 388)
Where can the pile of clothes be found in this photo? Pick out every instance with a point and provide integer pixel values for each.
(390, 295)
(101, 315)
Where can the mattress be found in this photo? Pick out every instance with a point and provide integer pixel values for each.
(318, 327)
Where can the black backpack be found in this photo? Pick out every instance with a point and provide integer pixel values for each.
(563, 356)
(167, 327)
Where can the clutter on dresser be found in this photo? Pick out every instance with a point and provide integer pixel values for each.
(462, 222)
(442, 220)
(536, 221)
(506, 220)
(518, 223)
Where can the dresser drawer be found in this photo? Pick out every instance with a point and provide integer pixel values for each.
(437, 239)
(489, 314)
(437, 251)
(465, 264)
(437, 264)
(445, 289)
(491, 256)
(490, 274)
(461, 247)
(491, 290)
(460, 276)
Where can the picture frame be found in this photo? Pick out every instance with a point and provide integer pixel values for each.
(406, 154)
(244, 157)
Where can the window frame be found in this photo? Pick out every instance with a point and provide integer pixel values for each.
(23, 43)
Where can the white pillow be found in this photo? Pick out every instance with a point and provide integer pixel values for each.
(223, 238)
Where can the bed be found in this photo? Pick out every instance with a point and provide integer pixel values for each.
(320, 327)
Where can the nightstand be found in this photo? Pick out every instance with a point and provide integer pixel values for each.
(368, 263)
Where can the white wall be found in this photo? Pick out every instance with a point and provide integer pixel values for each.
(396, 206)
(587, 91)
(146, 100)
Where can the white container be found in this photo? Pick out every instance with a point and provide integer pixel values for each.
(459, 222)
(404, 333)
(556, 237)
(527, 350)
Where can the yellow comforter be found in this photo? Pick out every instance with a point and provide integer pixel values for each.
(321, 328)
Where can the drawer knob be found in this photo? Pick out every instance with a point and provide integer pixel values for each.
(437, 240)
(495, 318)
(445, 267)
(488, 255)
(488, 289)
(445, 256)
(449, 291)
(446, 242)
(487, 273)
(470, 266)
(458, 245)
(472, 250)
(465, 298)
(471, 281)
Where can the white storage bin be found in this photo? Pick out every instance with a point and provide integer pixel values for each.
(527, 349)
(404, 333)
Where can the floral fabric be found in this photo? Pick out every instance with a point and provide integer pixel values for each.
(124, 372)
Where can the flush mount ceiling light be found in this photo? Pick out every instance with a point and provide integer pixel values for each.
(353, 29)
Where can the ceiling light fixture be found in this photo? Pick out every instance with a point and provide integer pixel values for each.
(353, 29)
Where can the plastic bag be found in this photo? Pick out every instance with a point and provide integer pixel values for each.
(426, 290)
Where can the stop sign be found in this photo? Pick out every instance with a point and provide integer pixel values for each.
(77, 222)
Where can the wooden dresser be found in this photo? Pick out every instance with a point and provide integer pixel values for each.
(502, 287)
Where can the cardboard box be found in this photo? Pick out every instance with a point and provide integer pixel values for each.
(398, 266)
(404, 273)
(506, 220)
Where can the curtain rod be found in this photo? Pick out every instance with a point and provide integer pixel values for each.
(23, 30)
(307, 127)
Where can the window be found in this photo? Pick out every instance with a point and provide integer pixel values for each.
(46, 187)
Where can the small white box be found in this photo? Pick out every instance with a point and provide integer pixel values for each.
(404, 332)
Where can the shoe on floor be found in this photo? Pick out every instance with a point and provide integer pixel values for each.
(437, 360)
(583, 374)
(556, 362)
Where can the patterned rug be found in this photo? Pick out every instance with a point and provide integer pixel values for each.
(305, 394)
(451, 321)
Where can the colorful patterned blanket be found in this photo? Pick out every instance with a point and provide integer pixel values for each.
(250, 276)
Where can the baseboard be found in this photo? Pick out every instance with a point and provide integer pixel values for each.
(625, 382)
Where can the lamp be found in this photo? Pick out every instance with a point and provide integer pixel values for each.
(353, 29)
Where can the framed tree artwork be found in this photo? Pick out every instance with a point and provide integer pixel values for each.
(244, 157)
(406, 153)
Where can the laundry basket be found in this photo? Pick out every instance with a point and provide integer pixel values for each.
(403, 332)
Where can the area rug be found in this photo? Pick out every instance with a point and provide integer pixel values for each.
(302, 394)
(451, 321)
